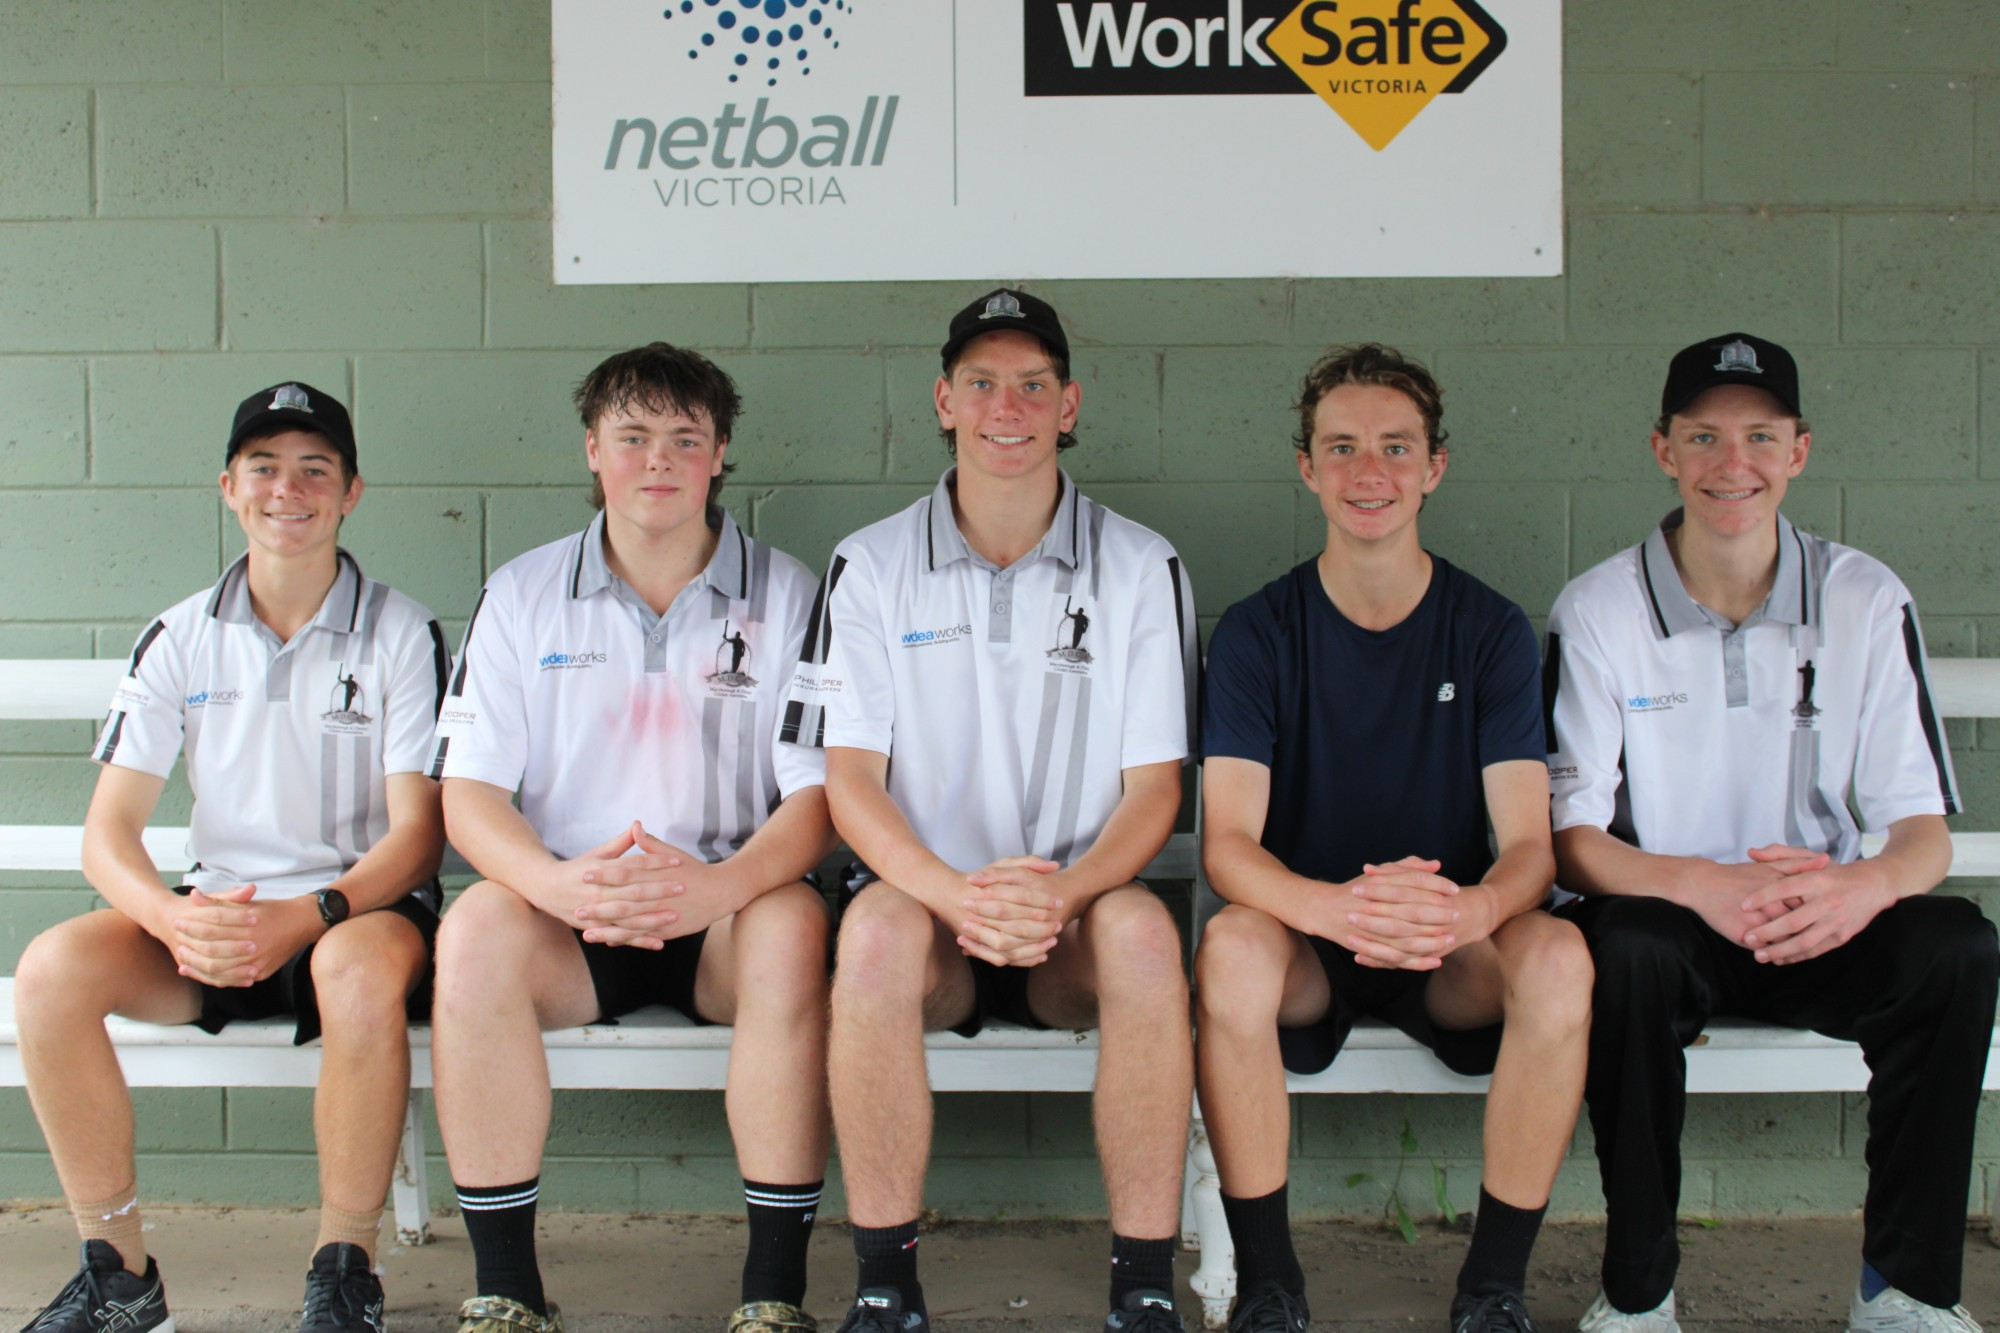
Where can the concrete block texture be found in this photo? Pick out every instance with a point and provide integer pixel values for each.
(494, 419)
(1227, 414)
(1669, 279)
(45, 158)
(1989, 422)
(807, 417)
(41, 422)
(207, 152)
(1576, 415)
(517, 40)
(1146, 314)
(26, 913)
(453, 148)
(164, 420)
(524, 307)
(369, 42)
(65, 555)
(1837, 137)
(1411, 313)
(107, 286)
(70, 41)
(1939, 538)
(1698, 34)
(1631, 137)
(1918, 34)
(1921, 278)
(291, 285)
(1887, 415)
(425, 542)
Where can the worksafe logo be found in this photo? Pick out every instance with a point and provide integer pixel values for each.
(1376, 63)
(757, 42)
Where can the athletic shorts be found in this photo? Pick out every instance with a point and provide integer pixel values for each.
(289, 990)
(997, 992)
(626, 978)
(1394, 996)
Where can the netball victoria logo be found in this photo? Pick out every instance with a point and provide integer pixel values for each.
(758, 42)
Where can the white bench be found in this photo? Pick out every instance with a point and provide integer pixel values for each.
(655, 1049)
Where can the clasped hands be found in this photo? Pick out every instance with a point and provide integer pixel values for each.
(635, 891)
(230, 939)
(1400, 915)
(1788, 904)
(1014, 914)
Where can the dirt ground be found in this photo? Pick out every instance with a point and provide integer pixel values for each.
(242, 1269)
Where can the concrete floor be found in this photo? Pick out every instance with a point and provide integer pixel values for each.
(243, 1269)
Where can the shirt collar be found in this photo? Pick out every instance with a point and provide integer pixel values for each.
(728, 569)
(340, 612)
(1674, 611)
(945, 544)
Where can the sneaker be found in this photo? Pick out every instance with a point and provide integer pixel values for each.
(103, 1296)
(1499, 1312)
(502, 1314)
(771, 1317)
(1266, 1307)
(1146, 1311)
(1604, 1317)
(880, 1310)
(342, 1292)
(1893, 1311)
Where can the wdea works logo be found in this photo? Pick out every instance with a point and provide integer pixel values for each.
(1377, 63)
(570, 661)
(1656, 703)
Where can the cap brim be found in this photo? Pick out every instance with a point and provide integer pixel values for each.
(271, 421)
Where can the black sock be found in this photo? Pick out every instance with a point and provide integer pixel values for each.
(1502, 1238)
(1262, 1230)
(500, 1222)
(1140, 1265)
(781, 1223)
(888, 1258)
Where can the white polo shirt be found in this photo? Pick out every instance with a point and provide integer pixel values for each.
(1689, 737)
(289, 745)
(572, 692)
(1009, 701)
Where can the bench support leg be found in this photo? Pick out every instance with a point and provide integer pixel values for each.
(411, 1188)
(1215, 1280)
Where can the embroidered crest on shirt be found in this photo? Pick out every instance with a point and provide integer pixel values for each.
(346, 704)
(731, 681)
(1805, 712)
(1069, 655)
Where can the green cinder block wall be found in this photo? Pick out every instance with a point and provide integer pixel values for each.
(201, 197)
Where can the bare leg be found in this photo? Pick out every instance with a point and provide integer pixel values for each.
(764, 970)
(898, 973)
(363, 971)
(1252, 974)
(506, 972)
(1118, 968)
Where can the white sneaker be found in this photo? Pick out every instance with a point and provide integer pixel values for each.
(1893, 1311)
(1604, 1317)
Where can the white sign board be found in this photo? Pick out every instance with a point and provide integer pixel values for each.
(825, 140)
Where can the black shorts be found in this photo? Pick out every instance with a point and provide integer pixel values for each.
(289, 990)
(997, 992)
(626, 978)
(1394, 996)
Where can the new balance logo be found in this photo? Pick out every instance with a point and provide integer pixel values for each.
(1447, 692)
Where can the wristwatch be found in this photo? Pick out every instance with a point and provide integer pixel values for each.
(332, 906)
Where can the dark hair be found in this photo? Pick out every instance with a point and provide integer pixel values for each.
(1371, 364)
(659, 377)
(348, 472)
(1064, 440)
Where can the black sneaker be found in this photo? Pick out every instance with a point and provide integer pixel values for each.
(880, 1310)
(104, 1298)
(1496, 1312)
(1266, 1307)
(342, 1292)
(1145, 1312)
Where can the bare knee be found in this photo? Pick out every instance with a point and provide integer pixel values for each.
(885, 944)
(488, 928)
(70, 970)
(780, 949)
(1135, 944)
(362, 973)
(1240, 968)
(1548, 973)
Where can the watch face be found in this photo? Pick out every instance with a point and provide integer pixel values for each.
(332, 906)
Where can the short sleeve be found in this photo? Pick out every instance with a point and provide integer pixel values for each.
(1507, 701)
(482, 730)
(1584, 722)
(796, 767)
(1160, 666)
(420, 672)
(146, 726)
(1239, 716)
(1902, 764)
(843, 692)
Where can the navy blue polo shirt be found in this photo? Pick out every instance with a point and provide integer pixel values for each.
(1375, 739)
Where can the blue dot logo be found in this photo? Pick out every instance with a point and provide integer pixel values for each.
(802, 27)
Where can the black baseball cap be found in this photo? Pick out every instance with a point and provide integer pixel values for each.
(1005, 308)
(293, 406)
(1731, 358)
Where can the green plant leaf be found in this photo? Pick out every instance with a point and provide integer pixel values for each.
(1403, 1222)
(1443, 1200)
(1708, 1223)
(1409, 1139)
(1361, 1178)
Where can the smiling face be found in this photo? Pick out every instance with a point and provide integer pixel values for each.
(1732, 453)
(1370, 462)
(1006, 406)
(655, 466)
(289, 492)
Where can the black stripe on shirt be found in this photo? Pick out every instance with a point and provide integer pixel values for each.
(465, 648)
(441, 661)
(819, 625)
(1646, 573)
(110, 744)
(1551, 683)
(1913, 645)
(153, 631)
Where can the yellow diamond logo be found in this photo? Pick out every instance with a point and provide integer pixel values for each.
(1378, 63)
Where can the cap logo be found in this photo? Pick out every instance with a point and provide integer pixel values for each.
(1739, 356)
(289, 397)
(1004, 305)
